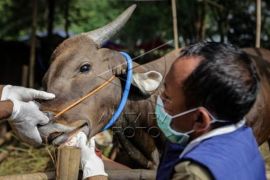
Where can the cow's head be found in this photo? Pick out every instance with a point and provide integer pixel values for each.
(79, 65)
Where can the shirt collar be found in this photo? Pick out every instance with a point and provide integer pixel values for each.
(215, 132)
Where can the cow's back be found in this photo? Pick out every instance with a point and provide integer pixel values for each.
(259, 116)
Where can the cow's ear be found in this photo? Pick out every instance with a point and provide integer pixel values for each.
(147, 82)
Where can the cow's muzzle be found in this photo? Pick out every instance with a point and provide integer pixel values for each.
(56, 133)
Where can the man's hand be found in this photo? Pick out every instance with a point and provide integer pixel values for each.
(24, 120)
(26, 114)
(24, 94)
(92, 165)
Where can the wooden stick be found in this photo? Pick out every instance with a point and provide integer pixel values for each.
(68, 162)
(86, 96)
(175, 30)
(131, 174)
(33, 45)
(36, 176)
(24, 75)
(258, 24)
(113, 174)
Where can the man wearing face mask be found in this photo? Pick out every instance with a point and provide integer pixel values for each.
(207, 92)
(23, 114)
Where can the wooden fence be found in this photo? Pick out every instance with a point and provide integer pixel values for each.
(67, 168)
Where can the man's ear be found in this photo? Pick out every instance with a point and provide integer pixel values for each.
(203, 120)
(147, 82)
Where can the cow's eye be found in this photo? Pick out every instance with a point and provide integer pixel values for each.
(85, 68)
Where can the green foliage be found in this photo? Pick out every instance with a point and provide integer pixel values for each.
(87, 15)
(16, 18)
(228, 21)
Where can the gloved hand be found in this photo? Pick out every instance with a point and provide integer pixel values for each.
(92, 165)
(24, 120)
(26, 114)
(24, 94)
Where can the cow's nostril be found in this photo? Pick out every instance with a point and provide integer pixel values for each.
(52, 136)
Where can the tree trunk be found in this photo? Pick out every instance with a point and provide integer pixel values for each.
(201, 33)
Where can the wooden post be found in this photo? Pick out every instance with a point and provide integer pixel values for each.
(33, 45)
(113, 175)
(175, 29)
(68, 162)
(51, 17)
(258, 24)
(35, 176)
(66, 17)
(24, 75)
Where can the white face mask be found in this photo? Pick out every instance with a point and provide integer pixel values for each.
(164, 121)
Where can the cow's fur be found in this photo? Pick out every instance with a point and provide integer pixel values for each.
(64, 79)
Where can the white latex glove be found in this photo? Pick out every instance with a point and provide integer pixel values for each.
(26, 114)
(92, 165)
(24, 120)
(24, 94)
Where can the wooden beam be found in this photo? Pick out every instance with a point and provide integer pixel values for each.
(258, 24)
(33, 45)
(131, 174)
(175, 29)
(51, 17)
(36, 176)
(68, 163)
(24, 75)
(113, 175)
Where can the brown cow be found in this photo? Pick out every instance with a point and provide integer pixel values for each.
(80, 64)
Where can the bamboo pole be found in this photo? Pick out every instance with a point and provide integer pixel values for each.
(66, 17)
(175, 29)
(51, 17)
(35, 176)
(33, 45)
(24, 75)
(112, 174)
(131, 174)
(258, 24)
(68, 162)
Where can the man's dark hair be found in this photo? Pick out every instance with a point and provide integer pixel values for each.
(225, 82)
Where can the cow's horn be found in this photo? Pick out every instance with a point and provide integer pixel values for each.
(101, 35)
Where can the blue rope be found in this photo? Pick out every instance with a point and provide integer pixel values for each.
(125, 93)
